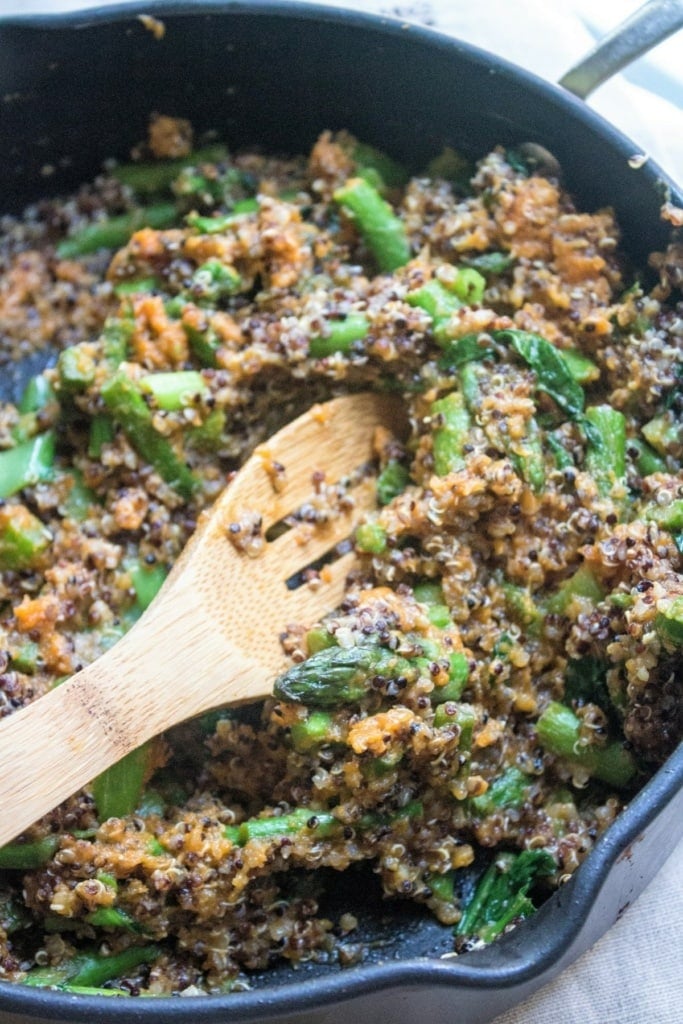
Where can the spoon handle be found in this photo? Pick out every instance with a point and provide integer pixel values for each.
(649, 25)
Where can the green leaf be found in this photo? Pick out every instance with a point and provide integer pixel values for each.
(552, 372)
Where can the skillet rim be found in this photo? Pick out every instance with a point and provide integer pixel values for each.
(532, 965)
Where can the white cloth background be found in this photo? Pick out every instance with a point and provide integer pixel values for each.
(634, 974)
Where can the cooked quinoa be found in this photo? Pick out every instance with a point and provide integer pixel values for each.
(522, 574)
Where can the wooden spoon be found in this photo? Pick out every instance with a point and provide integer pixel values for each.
(211, 636)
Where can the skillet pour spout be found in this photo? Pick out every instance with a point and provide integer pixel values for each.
(273, 75)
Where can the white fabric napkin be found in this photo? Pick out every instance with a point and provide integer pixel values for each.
(634, 974)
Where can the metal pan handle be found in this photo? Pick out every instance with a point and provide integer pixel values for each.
(651, 24)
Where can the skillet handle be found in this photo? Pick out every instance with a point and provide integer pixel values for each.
(651, 24)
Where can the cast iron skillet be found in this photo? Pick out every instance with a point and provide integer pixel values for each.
(77, 89)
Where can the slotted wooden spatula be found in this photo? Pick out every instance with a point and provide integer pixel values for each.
(211, 636)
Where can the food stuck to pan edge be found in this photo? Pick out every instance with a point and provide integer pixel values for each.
(505, 670)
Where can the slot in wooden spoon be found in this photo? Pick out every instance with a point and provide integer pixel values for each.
(211, 636)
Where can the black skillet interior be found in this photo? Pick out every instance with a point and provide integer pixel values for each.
(78, 89)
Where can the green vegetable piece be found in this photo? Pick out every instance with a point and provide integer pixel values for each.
(28, 856)
(136, 287)
(380, 767)
(245, 206)
(152, 178)
(664, 432)
(582, 584)
(431, 649)
(507, 792)
(561, 456)
(202, 185)
(26, 428)
(675, 393)
(669, 621)
(442, 886)
(112, 632)
(127, 406)
(154, 847)
(118, 789)
(322, 824)
(429, 592)
(217, 224)
(669, 517)
(151, 802)
(467, 717)
(209, 436)
(458, 674)
(318, 639)
(26, 658)
(459, 670)
(372, 820)
(392, 481)
(469, 385)
(492, 263)
(175, 390)
(528, 459)
(312, 732)
(80, 498)
(204, 344)
(113, 232)
(585, 680)
(337, 675)
(470, 348)
(23, 538)
(452, 421)
(501, 897)
(232, 832)
(37, 394)
(75, 370)
(27, 464)
(109, 880)
(469, 286)
(102, 431)
(92, 968)
(440, 303)
(559, 731)
(371, 538)
(382, 231)
(116, 337)
(502, 647)
(647, 460)
(305, 820)
(606, 450)
(14, 916)
(446, 713)
(340, 336)
(521, 606)
(548, 363)
(213, 281)
(112, 917)
(386, 170)
(462, 715)
(439, 615)
(147, 581)
(582, 369)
